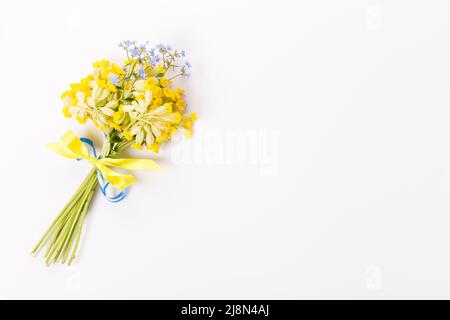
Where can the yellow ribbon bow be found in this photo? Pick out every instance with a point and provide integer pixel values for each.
(70, 146)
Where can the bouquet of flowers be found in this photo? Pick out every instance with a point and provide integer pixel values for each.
(134, 105)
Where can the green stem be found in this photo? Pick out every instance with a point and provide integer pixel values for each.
(63, 239)
(63, 214)
(76, 229)
(79, 227)
(63, 236)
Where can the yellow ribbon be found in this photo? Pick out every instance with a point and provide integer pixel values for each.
(70, 146)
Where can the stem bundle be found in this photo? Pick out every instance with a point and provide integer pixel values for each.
(63, 235)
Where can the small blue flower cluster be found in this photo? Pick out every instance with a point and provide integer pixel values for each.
(161, 54)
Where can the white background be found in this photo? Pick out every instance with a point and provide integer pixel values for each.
(350, 199)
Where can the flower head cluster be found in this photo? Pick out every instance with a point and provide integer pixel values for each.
(136, 102)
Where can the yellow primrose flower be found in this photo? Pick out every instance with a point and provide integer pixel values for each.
(81, 120)
(118, 116)
(101, 64)
(170, 94)
(115, 126)
(157, 92)
(165, 82)
(161, 70)
(111, 87)
(180, 104)
(127, 135)
(154, 147)
(150, 83)
(137, 146)
(66, 112)
(117, 70)
(184, 126)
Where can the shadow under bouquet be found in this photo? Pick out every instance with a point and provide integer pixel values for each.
(134, 105)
